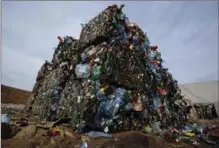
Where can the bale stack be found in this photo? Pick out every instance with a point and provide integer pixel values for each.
(110, 79)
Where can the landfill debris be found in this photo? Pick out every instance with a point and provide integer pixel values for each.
(206, 111)
(148, 129)
(66, 133)
(111, 79)
(84, 145)
(192, 134)
(23, 122)
(5, 118)
(11, 108)
(54, 132)
(95, 135)
(27, 132)
(85, 141)
(122, 76)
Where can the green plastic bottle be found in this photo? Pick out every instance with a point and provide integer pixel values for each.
(96, 73)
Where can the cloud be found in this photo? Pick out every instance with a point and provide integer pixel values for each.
(186, 33)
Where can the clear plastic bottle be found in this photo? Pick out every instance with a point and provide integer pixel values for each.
(82, 70)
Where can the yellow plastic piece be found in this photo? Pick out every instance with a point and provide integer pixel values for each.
(190, 134)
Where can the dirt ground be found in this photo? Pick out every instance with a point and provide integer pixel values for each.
(131, 139)
(126, 140)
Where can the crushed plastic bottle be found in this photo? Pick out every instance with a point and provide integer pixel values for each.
(82, 70)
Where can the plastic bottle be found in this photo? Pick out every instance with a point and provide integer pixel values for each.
(116, 108)
(82, 70)
(84, 145)
(101, 96)
(5, 118)
(96, 72)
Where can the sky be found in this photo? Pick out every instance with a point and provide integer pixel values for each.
(185, 32)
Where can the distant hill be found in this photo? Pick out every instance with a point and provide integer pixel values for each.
(14, 95)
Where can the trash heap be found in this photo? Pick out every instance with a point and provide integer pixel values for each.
(111, 79)
(11, 108)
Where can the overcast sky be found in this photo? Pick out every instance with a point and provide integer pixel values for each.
(186, 33)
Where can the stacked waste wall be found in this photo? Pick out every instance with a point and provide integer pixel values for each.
(110, 79)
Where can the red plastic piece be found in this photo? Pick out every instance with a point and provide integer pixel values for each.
(154, 47)
(60, 39)
(162, 92)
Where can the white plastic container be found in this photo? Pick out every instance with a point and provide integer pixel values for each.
(5, 118)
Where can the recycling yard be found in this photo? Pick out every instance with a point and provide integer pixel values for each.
(108, 89)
